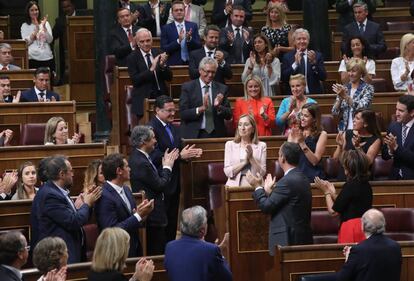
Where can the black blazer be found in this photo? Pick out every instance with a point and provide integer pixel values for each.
(148, 21)
(8, 275)
(223, 72)
(144, 81)
(119, 43)
(219, 18)
(225, 45)
(154, 183)
(30, 96)
(191, 97)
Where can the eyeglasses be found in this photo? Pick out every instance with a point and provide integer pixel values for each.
(26, 248)
(169, 110)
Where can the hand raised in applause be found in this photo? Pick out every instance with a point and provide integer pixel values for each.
(56, 275)
(254, 181)
(189, 152)
(219, 56)
(91, 197)
(340, 90)
(312, 57)
(391, 141)
(230, 37)
(218, 100)
(170, 157)
(144, 269)
(224, 243)
(8, 181)
(144, 208)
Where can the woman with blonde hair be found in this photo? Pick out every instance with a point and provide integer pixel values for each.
(255, 104)
(56, 132)
(27, 178)
(110, 254)
(402, 67)
(93, 176)
(244, 153)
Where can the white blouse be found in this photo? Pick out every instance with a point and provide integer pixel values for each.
(370, 66)
(39, 49)
(397, 69)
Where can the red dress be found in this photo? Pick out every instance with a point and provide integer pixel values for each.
(252, 106)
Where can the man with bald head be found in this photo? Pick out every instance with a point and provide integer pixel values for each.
(376, 258)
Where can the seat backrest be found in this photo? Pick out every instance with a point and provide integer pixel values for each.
(324, 227)
(331, 168)
(328, 123)
(230, 130)
(216, 174)
(399, 223)
(109, 66)
(380, 85)
(381, 169)
(400, 25)
(278, 171)
(91, 235)
(32, 134)
(390, 53)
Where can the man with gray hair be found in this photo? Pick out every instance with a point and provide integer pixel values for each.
(13, 255)
(191, 258)
(204, 104)
(376, 258)
(6, 58)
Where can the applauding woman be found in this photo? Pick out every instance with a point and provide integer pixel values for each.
(402, 67)
(244, 153)
(56, 132)
(255, 104)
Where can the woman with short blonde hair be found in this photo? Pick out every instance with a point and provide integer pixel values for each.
(402, 67)
(56, 132)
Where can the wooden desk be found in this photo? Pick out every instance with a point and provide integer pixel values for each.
(19, 52)
(20, 80)
(5, 26)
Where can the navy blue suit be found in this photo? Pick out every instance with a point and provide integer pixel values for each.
(404, 155)
(169, 44)
(30, 96)
(192, 259)
(57, 217)
(111, 211)
(120, 45)
(315, 72)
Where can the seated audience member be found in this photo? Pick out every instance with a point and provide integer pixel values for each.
(244, 153)
(223, 10)
(148, 70)
(376, 258)
(40, 92)
(27, 179)
(146, 177)
(312, 140)
(402, 67)
(50, 257)
(180, 37)
(277, 30)
(346, 12)
(154, 16)
(356, 94)
(191, 258)
(122, 37)
(357, 47)
(288, 113)
(5, 91)
(263, 64)
(304, 61)
(288, 202)
(210, 49)
(257, 105)
(6, 58)
(399, 141)
(117, 207)
(56, 132)
(368, 29)
(236, 39)
(13, 255)
(5, 137)
(6, 185)
(110, 254)
(193, 13)
(38, 35)
(204, 104)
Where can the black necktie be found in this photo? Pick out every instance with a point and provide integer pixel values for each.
(148, 56)
(209, 54)
(361, 28)
(42, 95)
(238, 47)
(302, 64)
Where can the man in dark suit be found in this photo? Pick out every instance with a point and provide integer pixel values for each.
(5, 91)
(370, 30)
(376, 258)
(399, 141)
(116, 207)
(146, 177)
(154, 16)
(136, 11)
(211, 40)
(223, 10)
(346, 12)
(204, 104)
(191, 258)
(148, 70)
(180, 37)
(236, 39)
(13, 255)
(304, 61)
(289, 202)
(56, 213)
(40, 91)
(168, 138)
(122, 37)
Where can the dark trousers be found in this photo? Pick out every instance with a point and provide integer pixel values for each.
(172, 203)
(156, 240)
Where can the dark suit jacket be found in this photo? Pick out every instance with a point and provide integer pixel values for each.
(289, 205)
(315, 73)
(169, 44)
(219, 18)
(148, 21)
(144, 81)
(30, 96)
(191, 97)
(119, 42)
(372, 34)
(192, 259)
(377, 258)
(223, 72)
(404, 155)
(8, 275)
(412, 8)
(56, 217)
(111, 211)
(154, 183)
(346, 12)
(225, 45)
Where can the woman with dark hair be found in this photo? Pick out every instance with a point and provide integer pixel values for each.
(312, 139)
(26, 182)
(357, 47)
(354, 199)
(262, 64)
(36, 31)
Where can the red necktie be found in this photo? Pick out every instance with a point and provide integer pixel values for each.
(129, 34)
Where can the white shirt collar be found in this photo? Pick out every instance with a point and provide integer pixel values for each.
(162, 122)
(63, 190)
(234, 28)
(74, 13)
(144, 53)
(177, 23)
(146, 154)
(288, 171)
(364, 22)
(117, 188)
(126, 28)
(7, 66)
(202, 84)
(208, 50)
(38, 91)
(409, 124)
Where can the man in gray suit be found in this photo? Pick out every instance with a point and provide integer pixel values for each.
(193, 13)
(289, 201)
(6, 58)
